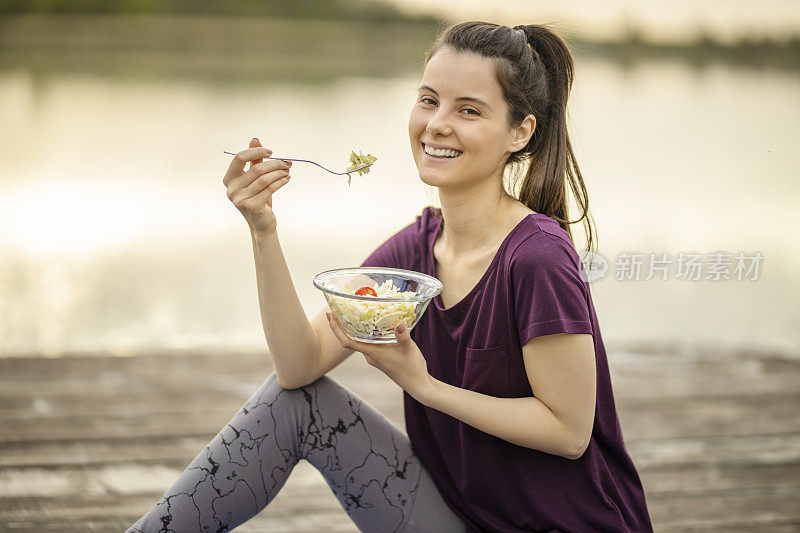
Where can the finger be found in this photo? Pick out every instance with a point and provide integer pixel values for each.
(263, 196)
(262, 182)
(256, 171)
(401, 331)
(236, 167)
(259, 169)
(255, 143)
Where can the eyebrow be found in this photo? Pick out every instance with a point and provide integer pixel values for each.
(459, 99)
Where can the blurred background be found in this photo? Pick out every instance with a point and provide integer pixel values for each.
(116, 234)
(117, 239)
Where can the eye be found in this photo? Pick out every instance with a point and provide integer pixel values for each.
(425, 99)
(470, 109)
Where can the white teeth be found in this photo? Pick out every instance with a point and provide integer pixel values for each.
(441, 152)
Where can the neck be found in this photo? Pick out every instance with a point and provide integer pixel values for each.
(473, 224)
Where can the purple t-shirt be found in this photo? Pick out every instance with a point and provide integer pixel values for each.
(532, 288)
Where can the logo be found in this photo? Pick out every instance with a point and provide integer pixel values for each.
(594, 266)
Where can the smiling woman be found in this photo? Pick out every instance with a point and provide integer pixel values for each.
(521, 384)
(507, 393)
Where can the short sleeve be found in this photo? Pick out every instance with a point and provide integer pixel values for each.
(548, 292)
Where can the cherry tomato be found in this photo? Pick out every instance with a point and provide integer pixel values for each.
(363, 291)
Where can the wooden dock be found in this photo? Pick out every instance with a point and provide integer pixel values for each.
(90, 442)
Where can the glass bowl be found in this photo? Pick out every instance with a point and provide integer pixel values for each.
(372, 319)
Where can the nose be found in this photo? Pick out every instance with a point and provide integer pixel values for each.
(438, 124)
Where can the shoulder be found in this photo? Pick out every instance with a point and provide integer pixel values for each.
(403, 248)
(547, 283)
(543, 241)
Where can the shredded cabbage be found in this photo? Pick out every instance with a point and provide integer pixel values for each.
(369, 319)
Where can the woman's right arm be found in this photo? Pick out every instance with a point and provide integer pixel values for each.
(301, 351)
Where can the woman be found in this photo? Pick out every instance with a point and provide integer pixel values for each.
(508, 403)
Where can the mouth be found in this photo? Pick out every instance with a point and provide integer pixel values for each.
(439, 154)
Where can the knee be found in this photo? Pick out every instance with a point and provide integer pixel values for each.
(324, 387)
(321, 382)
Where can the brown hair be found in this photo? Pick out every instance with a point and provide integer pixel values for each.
(534, 70)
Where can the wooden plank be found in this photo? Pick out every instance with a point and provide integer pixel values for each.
(701, 421)
(81, 508)
(656, 376)
(743, 511)
(715, 437)
(314, 522)
(652, 454)
(179, 399)
(161, 451)
(692, 418)
(729, 401)
(717, 451)
(661, 483)
(727, 528)
(177, 391)
(304, 502)
(707, 421)
(141, 478)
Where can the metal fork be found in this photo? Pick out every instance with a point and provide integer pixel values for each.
(313, 163)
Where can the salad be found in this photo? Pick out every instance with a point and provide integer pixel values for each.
(358, 161)
(370, 318)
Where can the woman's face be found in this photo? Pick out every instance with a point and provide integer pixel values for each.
(461, 106)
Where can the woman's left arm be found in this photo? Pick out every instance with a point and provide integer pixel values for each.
(558, 420)
(560, 368)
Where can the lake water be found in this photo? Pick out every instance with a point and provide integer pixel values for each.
(116, 234)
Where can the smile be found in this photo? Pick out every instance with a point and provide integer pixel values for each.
(441, 153)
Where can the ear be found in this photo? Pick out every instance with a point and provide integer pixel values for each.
(523, 133)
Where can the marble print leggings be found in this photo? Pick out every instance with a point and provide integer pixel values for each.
(366, 460)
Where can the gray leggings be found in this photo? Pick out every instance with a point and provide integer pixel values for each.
(366, 460)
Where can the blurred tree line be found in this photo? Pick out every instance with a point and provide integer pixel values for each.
(375, 10)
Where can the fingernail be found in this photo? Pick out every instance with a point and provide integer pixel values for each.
(402, 328)
(256, 139)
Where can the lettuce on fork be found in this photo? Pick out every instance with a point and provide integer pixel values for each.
(357, 161)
